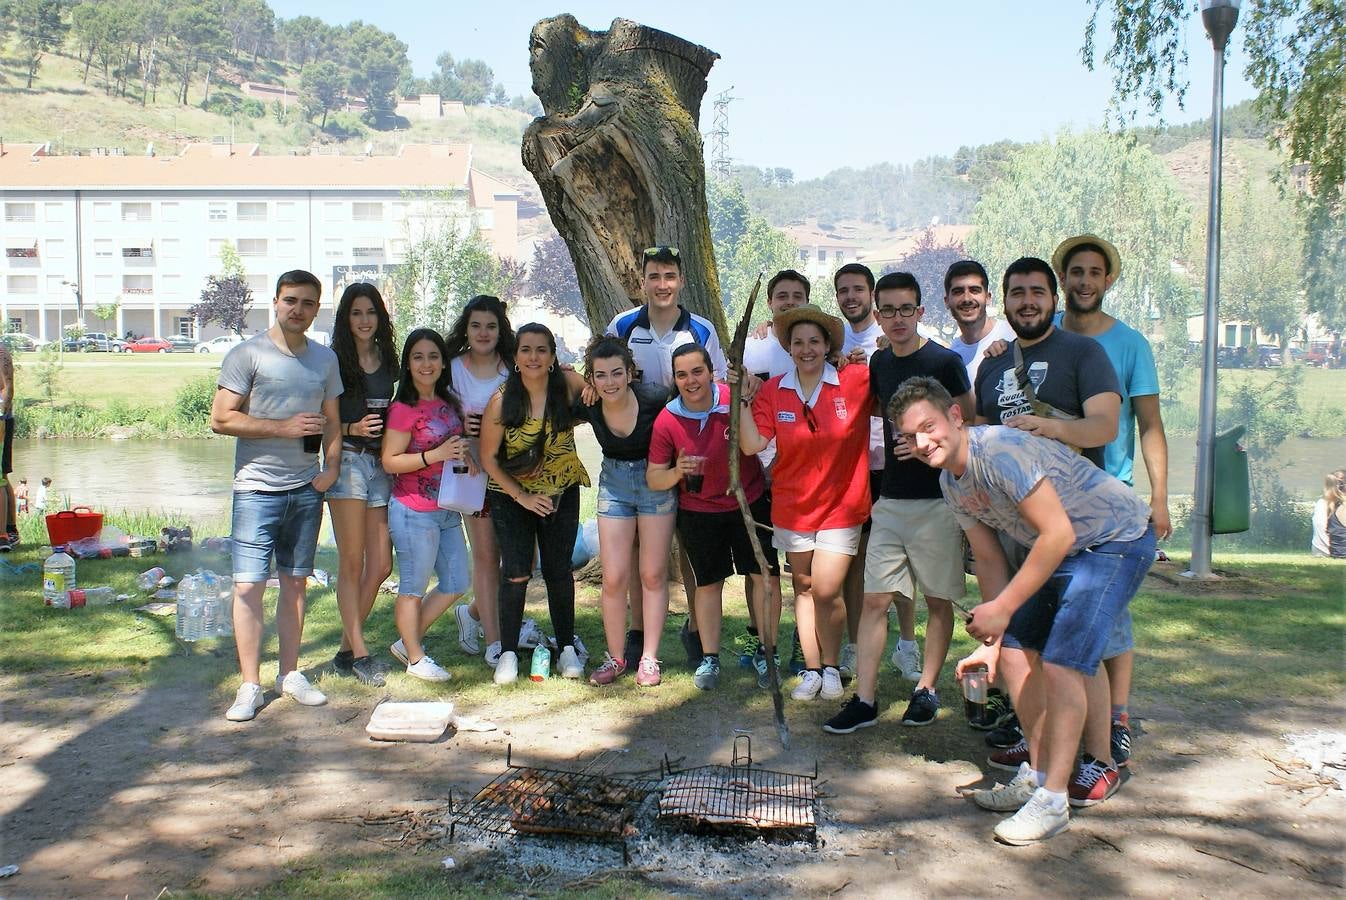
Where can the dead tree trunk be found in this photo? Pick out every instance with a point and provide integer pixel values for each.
(618, 157)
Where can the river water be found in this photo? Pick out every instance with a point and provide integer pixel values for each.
(192, 477)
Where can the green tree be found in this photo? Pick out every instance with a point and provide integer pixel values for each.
(1098, 183)
(226, 296)
(378, 60)
(928, 261)
(40, 27)
(745, 244)
(321, 87)
(1294, 51)
(445, 266)
(475, 81)
(197, 30)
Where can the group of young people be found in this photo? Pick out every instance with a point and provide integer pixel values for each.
(879, 462)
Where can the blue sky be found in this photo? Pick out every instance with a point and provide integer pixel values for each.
(826, 85)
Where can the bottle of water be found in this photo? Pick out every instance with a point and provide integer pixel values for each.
(224, 598)
(149, 579)
(58, 578)
(97, 596)
(210, 603)
(196, 611)
(185, 588)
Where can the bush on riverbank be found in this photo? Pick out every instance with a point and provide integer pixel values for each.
(188, 416)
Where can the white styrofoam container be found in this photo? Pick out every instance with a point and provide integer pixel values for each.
(422, 721)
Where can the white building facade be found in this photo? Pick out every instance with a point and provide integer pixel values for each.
(145, 233)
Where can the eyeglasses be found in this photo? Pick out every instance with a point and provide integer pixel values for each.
(906, 311)
(660, 251)
(811, 422)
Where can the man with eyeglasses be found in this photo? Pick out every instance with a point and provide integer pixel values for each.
(914, 539)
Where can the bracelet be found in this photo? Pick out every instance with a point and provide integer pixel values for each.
(424, 464)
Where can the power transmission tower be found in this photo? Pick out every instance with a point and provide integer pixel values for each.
(719, 135)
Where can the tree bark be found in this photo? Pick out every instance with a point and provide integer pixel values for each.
(618, 157)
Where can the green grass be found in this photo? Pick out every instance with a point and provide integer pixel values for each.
(99, 379)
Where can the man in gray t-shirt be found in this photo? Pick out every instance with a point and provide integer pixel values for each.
(278, 394)
(1090, 543)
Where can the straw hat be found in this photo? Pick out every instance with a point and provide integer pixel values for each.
(1069, 244)
(831, 325)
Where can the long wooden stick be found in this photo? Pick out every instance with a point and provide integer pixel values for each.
(766, 634)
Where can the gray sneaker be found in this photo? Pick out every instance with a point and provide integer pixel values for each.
(368, 670)
(763, 673)
(707, 676)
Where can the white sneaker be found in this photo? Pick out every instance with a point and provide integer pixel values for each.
(247, 701)
(847, 664)
(530, 635)
(810, 683)
(1008, 797)
(507, 669)
(580, 650)
(569, 663)
(468, 629)
(908, 662)
(296, 686)
(427, 669)
(492, 654)
(399, 651)
(1036, 821)
(831, 687)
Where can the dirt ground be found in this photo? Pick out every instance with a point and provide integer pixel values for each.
(113, 788)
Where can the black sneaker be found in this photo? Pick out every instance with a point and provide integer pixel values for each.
(797, 664)
(998, 711)
(691, 644)
(922, 709)
(856, 713)
(343, 661)
(1006, 735)
(633, 648)
(368, 671)
(1121, 744)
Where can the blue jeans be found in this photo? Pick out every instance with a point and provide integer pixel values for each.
(428, 542)
(1068, 621)
(280, 523)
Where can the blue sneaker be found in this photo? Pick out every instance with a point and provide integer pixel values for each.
(749, 647)
(797, 664)
(707, 676)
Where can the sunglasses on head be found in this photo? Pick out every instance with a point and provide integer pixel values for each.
(660, 251)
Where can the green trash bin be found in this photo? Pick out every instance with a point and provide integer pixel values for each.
(1231, 501)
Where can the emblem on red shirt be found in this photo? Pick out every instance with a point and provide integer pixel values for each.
(839, 404)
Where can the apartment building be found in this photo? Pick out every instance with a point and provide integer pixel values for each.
(145, 232)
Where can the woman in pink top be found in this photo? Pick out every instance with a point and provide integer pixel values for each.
(425, 429)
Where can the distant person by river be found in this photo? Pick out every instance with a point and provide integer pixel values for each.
(1329, 518)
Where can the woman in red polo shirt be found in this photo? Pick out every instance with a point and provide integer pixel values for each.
(819, 417)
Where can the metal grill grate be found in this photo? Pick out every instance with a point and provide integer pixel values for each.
(528, 800)
(739, 798)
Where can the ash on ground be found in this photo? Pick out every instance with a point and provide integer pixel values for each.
(1323, 753)
(661, 853)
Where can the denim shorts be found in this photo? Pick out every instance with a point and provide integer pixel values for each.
(280, 523)
(1121, 639)
(623, 493)
(361, 477)
(426, 543)
(1069, 620)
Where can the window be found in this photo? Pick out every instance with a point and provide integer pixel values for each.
(367, 253)
(137, 253)
(367, 212)
(170, 248)
(822, 255)
(251, 212)
(170, 285)
(21, 284)
(332, 248)
(252, 246)
(56, 286)
(260, 285)
(218, 212)
(102, 248)
(21, 252)
(20, 212)
(803, 256)
(137, 284)
(839, 255)
(184, 326)
(135, 212)
(286, 248)
(55, 212)
(55, 249)
(397, 247)
(285, 211)
(1231, 335)
(102, 212)
(104, 286)
(169, 212)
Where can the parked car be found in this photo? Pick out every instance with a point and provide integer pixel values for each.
(19, 342)
(1231, 357)
(1320, 354)
(181, 343)
(222, 344)
(1269, 357)
(149, 345)
(101, 342)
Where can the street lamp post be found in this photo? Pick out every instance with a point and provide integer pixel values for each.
(1219, 17)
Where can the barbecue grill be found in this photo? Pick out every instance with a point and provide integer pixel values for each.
(530, 800)
(738, 799)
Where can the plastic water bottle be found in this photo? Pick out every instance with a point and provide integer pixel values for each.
(209, 589)
(97, 596)
(541, 670)
(58, 577)
(224, 600)
(186, 587)
(149, 579)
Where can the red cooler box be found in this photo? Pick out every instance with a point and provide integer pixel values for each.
(72, 525)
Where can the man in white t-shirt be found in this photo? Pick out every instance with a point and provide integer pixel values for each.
(763, 355)
(967, 293)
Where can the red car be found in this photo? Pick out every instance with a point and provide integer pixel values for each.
(149, 345)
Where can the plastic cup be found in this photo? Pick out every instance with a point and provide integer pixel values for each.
(975, 685)
(696, 478)
(378, 406)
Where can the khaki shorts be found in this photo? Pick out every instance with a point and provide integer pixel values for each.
(845, 541)
(915, 543)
